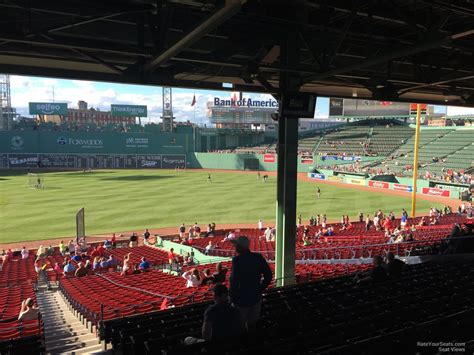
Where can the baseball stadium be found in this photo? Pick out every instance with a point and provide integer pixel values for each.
(268, 229)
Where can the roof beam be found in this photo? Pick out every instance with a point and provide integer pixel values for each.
(230, 8)
(410, 50)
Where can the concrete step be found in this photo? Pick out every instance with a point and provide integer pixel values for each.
(95, 349)
(64, 332)
(51, 343)
(69, 347)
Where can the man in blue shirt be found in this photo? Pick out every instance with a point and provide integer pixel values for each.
(69, 268)
(144, 265)
(246, 284)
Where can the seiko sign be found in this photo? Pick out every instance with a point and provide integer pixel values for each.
(245, 103)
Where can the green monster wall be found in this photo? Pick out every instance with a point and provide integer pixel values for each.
(95, 142)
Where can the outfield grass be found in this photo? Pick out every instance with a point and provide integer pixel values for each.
(122, 200)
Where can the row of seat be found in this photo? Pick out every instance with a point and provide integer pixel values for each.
(429, 303)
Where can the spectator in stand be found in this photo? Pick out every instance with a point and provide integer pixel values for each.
(104, 264)
(126, 264)
(40, 267)
(422, 222)
(306, 241)
(41, 252)
(361, 217)
(76, 258)
(377, 222)
(28, 311)
(50, 251)
(182, 230)
(229, 237)
(107, 244)
(146, 235)
(403, 220)
(196, 230)
(96, 263)
(24, 253)
(144, 265)
(368, 223)
(112, 262)
(188, 259)
(222, 323)
(268, 234)
(208, 230)
(70, 247)
(377, 274)
(394, 266)
(101, 250)
(172, 258)
(133, 240)
(246, 283)
(88, 266)
(260, 224)
(57, 268)
(69, 268)
(62, 248)
(208, 248)
(81, 270)
(324, 221)
(113, 241)
(193, 278)
(220, 274)
(207, 278)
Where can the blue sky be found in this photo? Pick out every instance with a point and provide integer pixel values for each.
(101, 95)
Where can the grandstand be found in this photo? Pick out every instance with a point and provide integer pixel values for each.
(334, 290)
(439, 150)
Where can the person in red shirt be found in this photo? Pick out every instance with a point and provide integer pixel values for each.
(113, 240)
(171, 258)
(387, 224)
(94, 253)
(101, 250)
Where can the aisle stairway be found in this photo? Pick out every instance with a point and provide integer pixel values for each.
(64, 333)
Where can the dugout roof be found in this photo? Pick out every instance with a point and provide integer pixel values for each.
(398, 50)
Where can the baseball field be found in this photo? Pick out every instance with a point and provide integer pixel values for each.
(126, 200)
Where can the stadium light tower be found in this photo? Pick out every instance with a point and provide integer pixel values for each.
(6, 111)
(167, 115)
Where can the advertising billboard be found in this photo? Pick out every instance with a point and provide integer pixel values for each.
(47, 108)
(354, 107)
(129, 110)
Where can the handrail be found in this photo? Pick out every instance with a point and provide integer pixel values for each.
(350, 247)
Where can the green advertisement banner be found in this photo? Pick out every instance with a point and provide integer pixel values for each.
(48, 108)
(129, 110)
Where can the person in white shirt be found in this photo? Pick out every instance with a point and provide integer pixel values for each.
(24, 253)
(193, 278)
(268, 234)
(376, 222)
(260, 224)
(229, 237)
(28, 311)
(208, 248)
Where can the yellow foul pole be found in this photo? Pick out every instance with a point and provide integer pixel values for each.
(415, 160)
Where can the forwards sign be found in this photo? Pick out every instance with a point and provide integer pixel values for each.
(80, 225)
